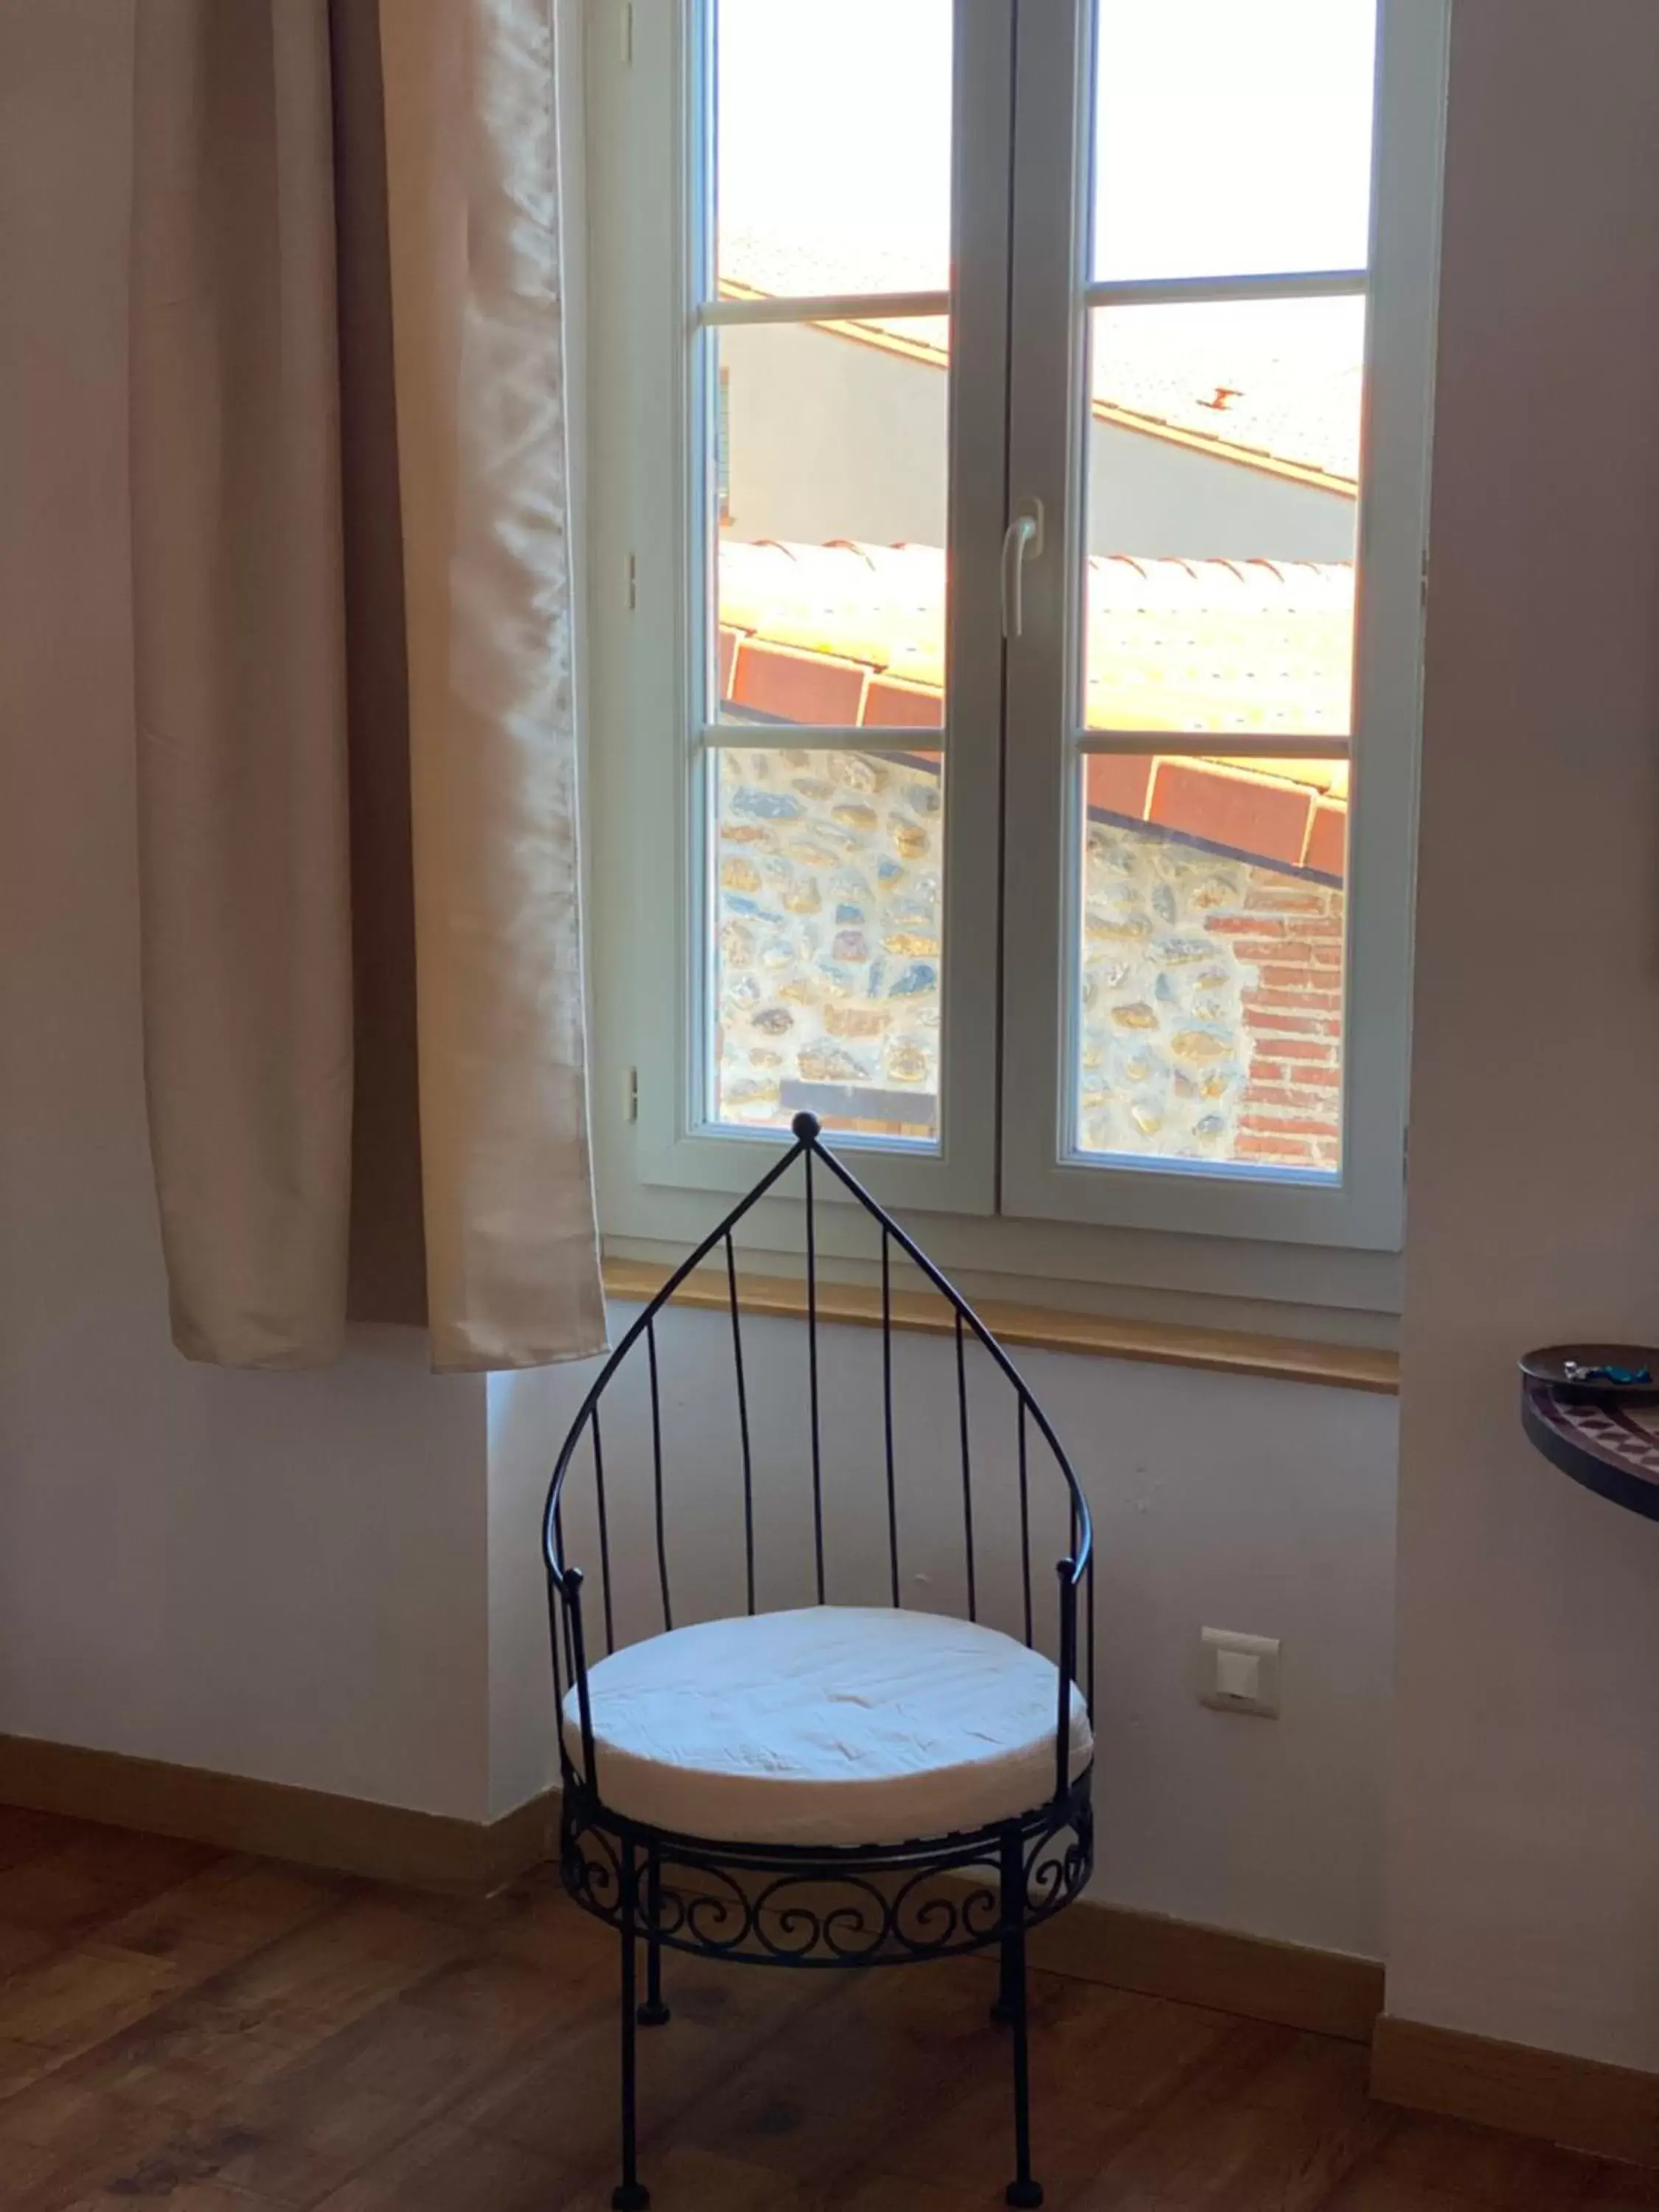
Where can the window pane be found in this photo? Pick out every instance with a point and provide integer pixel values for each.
(1223, 457)
(826, 958)
(831, 484)
(1209, 977)
(1232, 137)
(833, 146)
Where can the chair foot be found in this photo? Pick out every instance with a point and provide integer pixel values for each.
(635, 2197)
(653, 2015)
(1023, 2192)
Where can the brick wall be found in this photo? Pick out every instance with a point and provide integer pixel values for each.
(1290, 932)
(1211, 1022)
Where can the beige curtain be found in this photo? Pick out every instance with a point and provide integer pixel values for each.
(361, 956)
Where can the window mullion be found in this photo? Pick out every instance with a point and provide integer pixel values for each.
(1198, 291)
(1046, 334)
(1213, 744)
(730, 312)
(863, 738)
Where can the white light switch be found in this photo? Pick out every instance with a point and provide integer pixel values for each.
(1239, 1673)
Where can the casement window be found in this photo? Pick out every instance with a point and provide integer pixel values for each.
(1008, 473)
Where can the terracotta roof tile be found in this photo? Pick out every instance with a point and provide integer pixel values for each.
(855, 634)
(1242, 647)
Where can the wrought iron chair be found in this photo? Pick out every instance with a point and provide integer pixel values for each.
(687, 1851)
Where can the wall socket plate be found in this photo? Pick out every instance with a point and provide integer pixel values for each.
(1239, 1673)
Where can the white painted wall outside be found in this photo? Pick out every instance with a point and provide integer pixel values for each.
(832, 438)
(1219, 1500)
(1525, 1861)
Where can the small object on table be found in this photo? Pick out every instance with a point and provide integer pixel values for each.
(1577, 1371)
(1602, 1370)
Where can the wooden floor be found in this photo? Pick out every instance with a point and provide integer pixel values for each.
(205, 2034)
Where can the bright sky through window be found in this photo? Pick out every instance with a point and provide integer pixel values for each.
(1231, 135)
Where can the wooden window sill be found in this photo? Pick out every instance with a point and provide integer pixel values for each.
(1163, 1344)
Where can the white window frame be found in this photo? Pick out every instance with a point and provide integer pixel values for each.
(1025, 1213)
(1364, 1205)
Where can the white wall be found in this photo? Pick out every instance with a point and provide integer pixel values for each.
(832, 438)
(1525, 1874)
(275, 1576)
(1219, 1500)
(1149, 496)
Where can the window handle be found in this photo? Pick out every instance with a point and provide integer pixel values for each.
(1021, 541)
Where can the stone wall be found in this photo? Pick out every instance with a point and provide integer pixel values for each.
(1211, 1004)
(828, 946)
(1210, 1025)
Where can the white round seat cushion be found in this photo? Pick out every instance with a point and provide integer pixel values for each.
(830, 1725)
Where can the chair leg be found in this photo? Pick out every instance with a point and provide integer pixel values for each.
(1004, 2004)
(1022, 2190)
(630, 2194)
(654, 2012)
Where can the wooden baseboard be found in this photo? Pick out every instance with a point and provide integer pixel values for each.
(349, 1835)
(1327, 1991)
(1330, 1992)
(1610, 2111)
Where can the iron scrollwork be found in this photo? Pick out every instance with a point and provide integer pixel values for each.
(879, 1907)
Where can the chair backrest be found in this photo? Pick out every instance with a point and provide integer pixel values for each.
(1024, 1472)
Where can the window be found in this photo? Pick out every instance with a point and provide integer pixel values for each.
(1018, 436)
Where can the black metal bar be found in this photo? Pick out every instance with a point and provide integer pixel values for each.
(813, 1375)
(1025, 1527)
(1022, 2190)
(656, 1476)
(637, 1329)
(914, 1253)
(571, 1657)
(1009, 1909)
(628, 2195)
(604, 1537)
(967, 1471)
(1089, 1599)
(887, 1407)
(962, 1848)
(1066, 1570)
(654, 2012)
(1002, 2005)
(573, 1606)
(806, 1144)
(743, 1425)
(555, 1601)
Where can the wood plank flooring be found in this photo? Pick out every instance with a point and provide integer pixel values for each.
(208, 2033)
